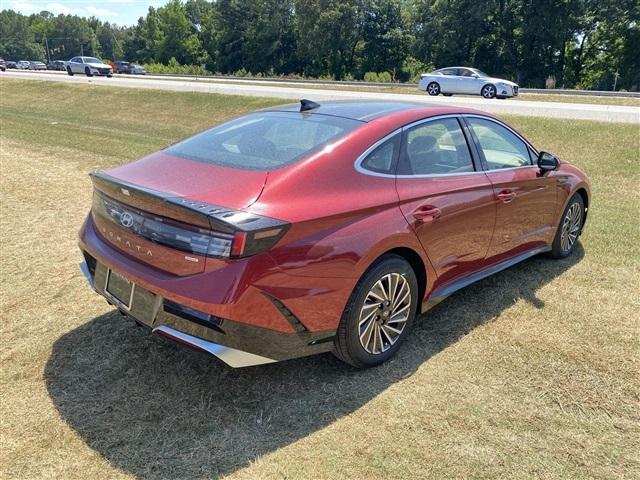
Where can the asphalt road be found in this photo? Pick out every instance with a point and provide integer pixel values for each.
(608, 113)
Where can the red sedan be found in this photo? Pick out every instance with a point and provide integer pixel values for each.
(312, 228)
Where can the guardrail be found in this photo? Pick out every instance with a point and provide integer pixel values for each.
(349, 83)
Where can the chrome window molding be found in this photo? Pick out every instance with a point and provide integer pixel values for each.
(358, 163)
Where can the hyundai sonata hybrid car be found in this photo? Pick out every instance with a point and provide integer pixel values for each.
(312, 228)
(469, 81)
(90, 66)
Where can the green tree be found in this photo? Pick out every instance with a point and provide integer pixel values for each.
(16, 39)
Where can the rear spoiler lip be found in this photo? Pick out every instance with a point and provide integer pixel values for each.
(201, 213)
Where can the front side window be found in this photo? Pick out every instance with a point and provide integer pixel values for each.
(264, 140)
(500, 146)
(435, 148)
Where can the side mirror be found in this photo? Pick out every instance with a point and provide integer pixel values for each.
(547, 162)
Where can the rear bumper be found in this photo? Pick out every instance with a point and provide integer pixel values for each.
(174, 307)
(235, 343)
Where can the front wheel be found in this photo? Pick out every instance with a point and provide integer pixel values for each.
(569, 229)
(433, 89)
(488, 91)
(69, 72)
(379, 314)
(87, 72)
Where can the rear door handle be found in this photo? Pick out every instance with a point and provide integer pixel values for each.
(427, 213)
(506, 195)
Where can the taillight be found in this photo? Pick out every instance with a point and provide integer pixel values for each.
(238, 234)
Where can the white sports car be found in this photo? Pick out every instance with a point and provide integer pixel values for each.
(469, 81)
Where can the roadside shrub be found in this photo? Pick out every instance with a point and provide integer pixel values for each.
(371, 77)
(175, 68)
(384, 77)
(241, 73)
(412, 68)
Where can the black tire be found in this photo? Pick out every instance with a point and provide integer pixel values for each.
(109, 76)
(87, 72)
(69, 72)
(448, 94)
(560, 248)
(347, 345)
(433, 89)
(488, 91)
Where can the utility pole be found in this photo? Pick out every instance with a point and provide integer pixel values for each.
(615, 80)
(46, 41)
(81, 49)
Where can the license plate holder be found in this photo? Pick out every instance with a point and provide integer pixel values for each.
(119, 289)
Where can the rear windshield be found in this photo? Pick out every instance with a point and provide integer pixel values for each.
(264, 140)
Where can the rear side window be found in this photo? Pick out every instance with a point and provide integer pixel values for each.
(264, 140)
(435, 148)
(381, 159)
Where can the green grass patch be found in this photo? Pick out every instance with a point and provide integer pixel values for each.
(530, 373)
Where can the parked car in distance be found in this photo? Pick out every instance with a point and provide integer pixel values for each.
(34, 65)
(308, 228)
(56, 65)
(121, 67)
(23, 65)
(11, 65)
(128, 67)
(90, 66)
(136, 69)
(3, 65)
(468, 81)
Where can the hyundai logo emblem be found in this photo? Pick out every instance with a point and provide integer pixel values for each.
(126, 219)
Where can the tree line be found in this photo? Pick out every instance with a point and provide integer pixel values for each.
(590, 44)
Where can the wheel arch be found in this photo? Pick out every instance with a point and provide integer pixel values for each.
(585, 200)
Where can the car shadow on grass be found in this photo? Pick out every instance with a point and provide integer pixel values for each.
(157, 409)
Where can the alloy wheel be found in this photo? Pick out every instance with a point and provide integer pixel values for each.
(384, 314)
(433, 89)
(571, 227)
(488, 91)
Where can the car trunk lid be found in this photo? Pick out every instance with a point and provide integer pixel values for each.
(165, 211)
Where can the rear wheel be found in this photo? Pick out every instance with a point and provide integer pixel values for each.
(87, 72)
(448, 94)
(569, 229)
(488, 91)
(379, 314)
(69, 72)
(433, 89)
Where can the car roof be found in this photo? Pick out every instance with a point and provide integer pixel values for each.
(361, 110)
(366, 111)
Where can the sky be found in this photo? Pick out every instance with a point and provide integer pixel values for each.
(122, 12)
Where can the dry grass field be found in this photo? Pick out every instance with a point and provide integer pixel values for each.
(533, 373)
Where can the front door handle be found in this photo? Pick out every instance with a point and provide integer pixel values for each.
(506, 195)
(427, 213)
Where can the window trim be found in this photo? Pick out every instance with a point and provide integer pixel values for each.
(478, 148)
(478, 166)
(363, 156)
